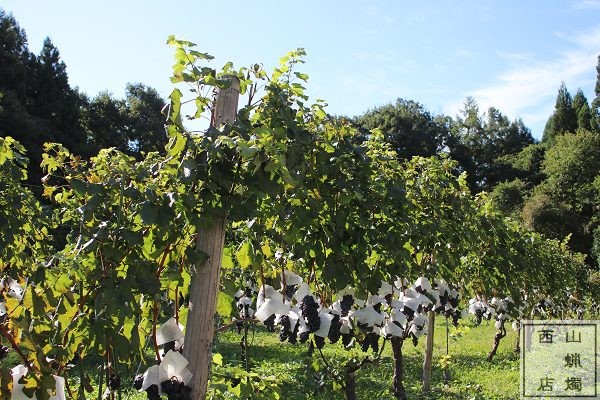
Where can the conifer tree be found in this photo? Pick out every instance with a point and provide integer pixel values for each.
(582, 111)
(53, 100)
(564, 118)
(595, 111)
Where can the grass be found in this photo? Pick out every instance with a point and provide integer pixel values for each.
(304, 378)
(472, 376)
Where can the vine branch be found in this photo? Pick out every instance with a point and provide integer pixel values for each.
(16, 348)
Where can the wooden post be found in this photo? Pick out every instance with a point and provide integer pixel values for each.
(428, 352)
(199, 328)
(225, 109)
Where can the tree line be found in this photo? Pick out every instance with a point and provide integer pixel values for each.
(550, 185)
(38, 105)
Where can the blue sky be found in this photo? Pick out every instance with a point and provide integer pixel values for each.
(361, 54)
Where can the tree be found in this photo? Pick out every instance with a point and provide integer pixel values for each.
(479, 142)
(563, 119)
(543, 214)
(566, 201)
(571, 166)
(146, 123)
(509, 196)
(37, 105)
(409, 128)
(525, 165)
(16, 119)
(105, 122)
(13, 57)
(595, 109)
(133, 125)
(53, 100)
(582, 111)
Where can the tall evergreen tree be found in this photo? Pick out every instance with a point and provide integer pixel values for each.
(582, 111)
(595, 109)
(13, 56)
(563, 119)
(37, 105)
(15, 117)
(53, 100)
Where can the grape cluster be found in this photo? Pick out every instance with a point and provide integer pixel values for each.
(286, 333)
(138, 382)
(270, 323)
(3, 352)
(310, 313)
(152, 392)
(243, 299)
(388, 298)
(168, 346)
(176, 390)
(290, 290)
(346, 304)
(371, 340)
(347, 339)
(453, 301)
(409, 312)
(245, 311)
(319, 342)
(377, 307)
(455, 318)
(454, 314)
(334, 330)
(114, 382)
(303, 336)
(415, 339)
(440, 307)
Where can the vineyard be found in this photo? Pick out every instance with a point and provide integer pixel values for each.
(279, 253)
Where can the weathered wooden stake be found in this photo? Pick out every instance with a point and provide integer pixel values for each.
(428, 352)
(199, 328)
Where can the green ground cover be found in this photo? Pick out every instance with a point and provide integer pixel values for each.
(471, 375)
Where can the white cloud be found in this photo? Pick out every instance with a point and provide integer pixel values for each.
(528, 86)
(587, 4)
